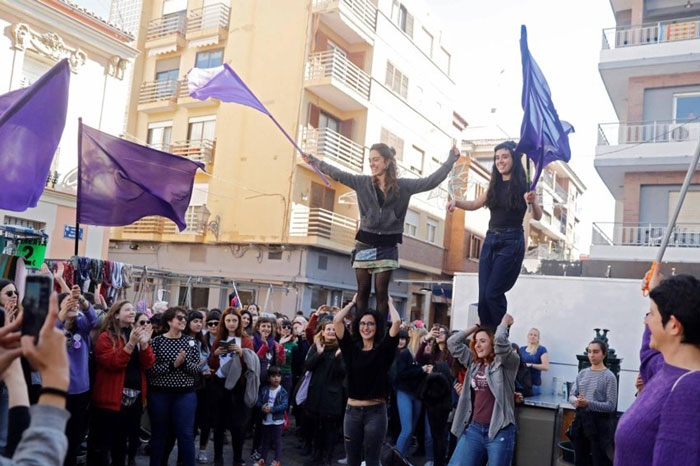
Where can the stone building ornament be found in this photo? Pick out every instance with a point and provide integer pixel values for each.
(117, 66)
(50, 45)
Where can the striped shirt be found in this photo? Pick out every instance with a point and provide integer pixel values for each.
(598, 387)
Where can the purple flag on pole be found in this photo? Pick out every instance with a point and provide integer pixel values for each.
(543, 137)
(31, 124)
(120, 182)
(224, 84)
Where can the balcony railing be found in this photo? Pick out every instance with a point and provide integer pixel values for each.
(209, 17)
(645, 234)
(155, 91)
(612, 134)
(167, 25)
(198, 150)
(364, 10)
(331, 145)
(195, 216)
(322, 224)
(651, 33)
(543, 251)
(333, 64)
(561, 192)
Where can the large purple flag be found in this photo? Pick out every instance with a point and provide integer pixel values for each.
(120, 182)
(31, 124)
(543, 137)
(224, 84)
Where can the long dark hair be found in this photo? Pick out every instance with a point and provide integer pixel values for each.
(199, 336)
(380, 327)
(389, 156)
(518, 183)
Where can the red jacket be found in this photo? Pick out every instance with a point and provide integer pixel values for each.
(110, 371)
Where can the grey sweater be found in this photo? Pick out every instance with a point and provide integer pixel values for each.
(389, 218)
(44, 442)
(500, 376)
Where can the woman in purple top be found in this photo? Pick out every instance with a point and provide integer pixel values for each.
(662, 427)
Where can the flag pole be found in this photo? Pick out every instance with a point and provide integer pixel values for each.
(235, 290)
(77, 198)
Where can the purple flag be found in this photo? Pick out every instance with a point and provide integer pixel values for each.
(31, 124)
(543, 137)
(224, 84)
(120, 182)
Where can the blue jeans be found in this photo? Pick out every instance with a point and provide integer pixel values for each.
(409, 410)
(364, 429)
(499, 267)
(475, 446)
(174, 410)
(537, 390)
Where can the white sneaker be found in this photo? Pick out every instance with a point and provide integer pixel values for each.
(202, 457)
(343, 460)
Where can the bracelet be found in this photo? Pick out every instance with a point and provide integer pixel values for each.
(53, 391)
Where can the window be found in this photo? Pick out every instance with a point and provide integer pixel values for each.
(402, 18)
(322, 262)
(686, 107)
(274, 255)
(32, 70)
(23, 222)
(327, 121)
(432, 229)
(396, 80)
(201, 129)
(198, 298)
(159, 135)
(167, 72)
(174, 15)
(416, 160)
(425, 42)
(417, 302)
(392, 140)
(209, 58)
(444, 60)
(474, 247)
(410, 226)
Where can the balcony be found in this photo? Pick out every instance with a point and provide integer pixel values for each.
(200, 150)
(208, 26)
(156, 228)
(334, 78)
(640, 241)
(354, 20)
(166, 34)
(546, 252)
(332, 147)
(158, 96)
(655, 146)
(660, 48)
(323, 228)
(184, 99)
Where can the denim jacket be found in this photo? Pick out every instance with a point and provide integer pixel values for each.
(389, 218)
(281, 402)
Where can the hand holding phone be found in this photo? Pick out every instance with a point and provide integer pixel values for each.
(37, 292)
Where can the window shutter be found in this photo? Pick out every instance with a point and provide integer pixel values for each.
(314, 113)
(409, 25)
(389, 74)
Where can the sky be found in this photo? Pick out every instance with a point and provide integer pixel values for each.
(564, 37)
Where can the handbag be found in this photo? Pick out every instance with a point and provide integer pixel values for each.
(129, 396)
(303, 388)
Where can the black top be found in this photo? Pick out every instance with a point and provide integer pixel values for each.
(164, 376)
(502, 216)
(376, 240)
(368, 371)
(132, 377)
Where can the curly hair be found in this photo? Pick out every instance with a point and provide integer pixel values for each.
(472, 347)
(518, 183)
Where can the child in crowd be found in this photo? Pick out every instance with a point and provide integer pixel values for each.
(273, 401)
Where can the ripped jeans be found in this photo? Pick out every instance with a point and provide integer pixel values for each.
(475, 447)
(364, 430)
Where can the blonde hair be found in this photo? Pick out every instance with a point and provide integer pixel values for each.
(319, 337)
(414, 341)
(532, 349)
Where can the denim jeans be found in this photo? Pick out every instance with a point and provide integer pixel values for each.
(409, 410)
(475, 446)
(176, 410)
(364, 430)
(499, 267)
(536, 390)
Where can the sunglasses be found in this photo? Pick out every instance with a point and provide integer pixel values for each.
(213, 323)
(287, 326)
(11, 293)
(180, 317)
(144, 322)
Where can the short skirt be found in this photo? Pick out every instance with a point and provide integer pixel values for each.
(375, 259)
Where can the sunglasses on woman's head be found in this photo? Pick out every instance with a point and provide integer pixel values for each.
(212, 323)
(11, 293)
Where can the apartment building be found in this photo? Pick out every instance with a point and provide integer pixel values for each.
(559, 189)
(37, 36)
(338, 75)
(649, 65)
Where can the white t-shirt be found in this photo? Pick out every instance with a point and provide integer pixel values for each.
(225, 358)
(268, 421)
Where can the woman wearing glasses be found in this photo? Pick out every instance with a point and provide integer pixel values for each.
(368, 354)
(122, 357)
(172, 400)
(8, 299)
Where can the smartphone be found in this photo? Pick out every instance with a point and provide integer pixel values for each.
(35, 305)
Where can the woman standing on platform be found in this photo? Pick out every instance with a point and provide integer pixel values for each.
(504, 248)
(536, 358)
(383, 200)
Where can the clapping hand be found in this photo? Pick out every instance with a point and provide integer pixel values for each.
(180, 358)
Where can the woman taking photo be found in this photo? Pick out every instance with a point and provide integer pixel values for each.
(325, 395)
(595, 396)
(368, 355)
(536, 358)
(663, 424)
(231, 413)
(485, 426)
(383, 201)
(172, 400)
(504, 248)
(122, 357)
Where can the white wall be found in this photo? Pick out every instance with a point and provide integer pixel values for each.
(566, 310)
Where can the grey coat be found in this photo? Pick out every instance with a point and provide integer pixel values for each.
(500, 376)
(234, 369)
(389, 218)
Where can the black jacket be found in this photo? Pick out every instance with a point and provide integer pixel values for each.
(325, 396)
